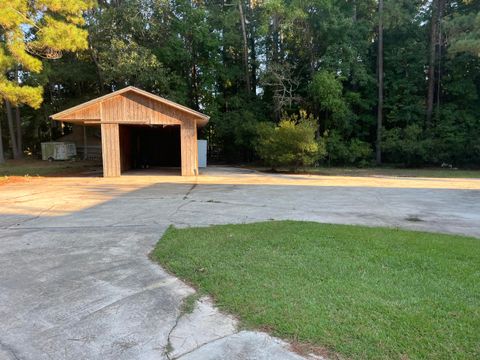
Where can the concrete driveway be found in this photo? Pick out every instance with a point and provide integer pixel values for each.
(76, 282)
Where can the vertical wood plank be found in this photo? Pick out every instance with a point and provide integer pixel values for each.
(189, 151)
(183, 150)
(110, 150)
(85, 154)
(195, 146)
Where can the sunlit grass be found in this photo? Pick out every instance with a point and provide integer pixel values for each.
(361, 292)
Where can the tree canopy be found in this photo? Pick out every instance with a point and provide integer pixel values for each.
(248, 63)
(32, 30)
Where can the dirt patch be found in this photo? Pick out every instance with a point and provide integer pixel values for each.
(320, 352)
(4, 180)
(31, 167)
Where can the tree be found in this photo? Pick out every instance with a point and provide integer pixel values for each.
(11, 129)
(18, 124)
(464, 32)
(324, 56)
(326, 90)
(2, 155)
(245, 47)
(32, 30)
(29, 32)
(292, 143)
(118, 48)
(380, 84)
(284, 84)
(437, 9)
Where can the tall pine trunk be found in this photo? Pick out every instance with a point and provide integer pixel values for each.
(13, 140)
(18, 123)
(380, 84)
(432, 56)
(2, 155)
(441, 11)
(253, 52)
(354, 16)
(245, 47)
(275, 39)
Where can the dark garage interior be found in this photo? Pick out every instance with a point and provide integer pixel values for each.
(143, 146)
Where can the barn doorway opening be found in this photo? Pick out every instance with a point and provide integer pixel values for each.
(150, 147)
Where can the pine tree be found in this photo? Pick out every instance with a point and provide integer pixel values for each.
(380, 84)
(32, 31)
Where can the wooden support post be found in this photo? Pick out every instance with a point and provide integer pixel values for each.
(110, 150)
(85, 151)
(189, 150)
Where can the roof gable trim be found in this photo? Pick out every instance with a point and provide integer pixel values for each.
(154, 97)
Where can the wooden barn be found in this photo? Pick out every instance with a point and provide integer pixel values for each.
(140, 129)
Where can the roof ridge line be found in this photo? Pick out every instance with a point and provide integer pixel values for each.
(136, 90)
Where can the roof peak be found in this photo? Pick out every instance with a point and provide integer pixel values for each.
(138, 91)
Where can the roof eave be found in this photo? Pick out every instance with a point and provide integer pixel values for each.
(124, 90)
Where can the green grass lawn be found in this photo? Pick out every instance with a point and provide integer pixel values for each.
(363, 293)
(29, 167)
(385, 171)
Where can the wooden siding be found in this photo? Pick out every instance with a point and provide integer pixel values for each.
(91, 112)
(189, 149)
(111, 150)
(80, 113)
(131, 108)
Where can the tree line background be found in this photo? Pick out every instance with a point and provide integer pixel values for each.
(392, 81)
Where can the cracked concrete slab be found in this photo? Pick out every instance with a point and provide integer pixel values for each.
(206, 323)
(240, 346)
(76, 280)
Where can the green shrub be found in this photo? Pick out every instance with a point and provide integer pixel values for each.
(360, 153)
(407, 146)
(342, 152)
(326, 90)
(233, 135)
(291, 144)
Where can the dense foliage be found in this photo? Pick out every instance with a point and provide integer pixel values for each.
(291, 144)
(31, 30)
(247, 62)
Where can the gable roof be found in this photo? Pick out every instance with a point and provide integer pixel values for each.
(202, 118)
